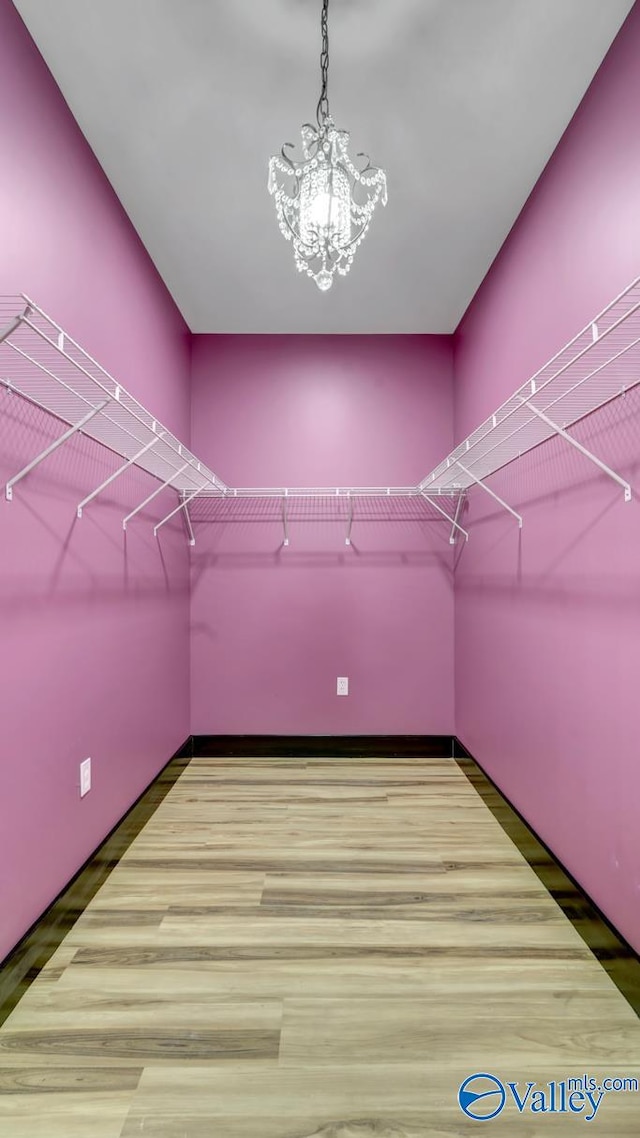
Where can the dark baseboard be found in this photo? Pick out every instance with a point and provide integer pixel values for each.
(186, 750)
(320, 746)
(459, 749)
(618, 958)
(24, 962)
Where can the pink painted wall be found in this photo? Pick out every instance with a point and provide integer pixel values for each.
(93, 631)
(548, 622)
(272, 628)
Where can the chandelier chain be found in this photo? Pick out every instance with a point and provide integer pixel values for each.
(322, 112)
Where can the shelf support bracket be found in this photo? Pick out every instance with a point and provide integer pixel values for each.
(430, 498)
(183, 505)
(455, 526)
(53, 447)
(112, 477)
(347, 540)
(492, 493)
(583, 450)
(15, 323)
(284, 519)
(187, 521)
(153, 495)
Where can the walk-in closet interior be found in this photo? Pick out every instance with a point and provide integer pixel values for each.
(319, 568)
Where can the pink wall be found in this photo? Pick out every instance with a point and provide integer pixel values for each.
(94, 632)
(272, 628)
(95, 646)
(548, 622)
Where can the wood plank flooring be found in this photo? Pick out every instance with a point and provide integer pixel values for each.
(320, 947)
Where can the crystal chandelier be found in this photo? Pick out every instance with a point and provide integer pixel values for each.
(323, 202)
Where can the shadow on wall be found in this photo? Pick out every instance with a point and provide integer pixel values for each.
(284, 558)
(50, 554)
(321, 547)
(384, 532)
(569, 509)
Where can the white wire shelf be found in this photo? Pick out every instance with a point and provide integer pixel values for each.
(325, 492)
(348, 504)
(40, 362)
(600, 364)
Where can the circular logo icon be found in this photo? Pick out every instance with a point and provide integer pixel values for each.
(482, 1097)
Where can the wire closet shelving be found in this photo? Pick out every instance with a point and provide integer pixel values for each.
(600, 364)
(45, 366)
(42, 364)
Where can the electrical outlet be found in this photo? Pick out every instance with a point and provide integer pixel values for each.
(343, 685)
(85, 777)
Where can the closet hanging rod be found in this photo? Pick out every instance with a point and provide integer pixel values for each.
(328, 492)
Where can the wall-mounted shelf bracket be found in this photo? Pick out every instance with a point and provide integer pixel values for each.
(455, 526)
(154, 494)
(187, 521)
(583, 450)
(284, 519)
(492, 493)
(112, 477)
(10, 328)
(183, 505)
(453, 522)
(347, 540)
(53, 447)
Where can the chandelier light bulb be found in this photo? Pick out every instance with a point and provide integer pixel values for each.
(324, 202)
(325, 207)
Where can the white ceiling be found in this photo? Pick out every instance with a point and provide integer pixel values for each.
(461, 101)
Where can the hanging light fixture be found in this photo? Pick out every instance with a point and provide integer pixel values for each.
(324, 203)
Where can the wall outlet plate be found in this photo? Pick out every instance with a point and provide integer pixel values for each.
(85, 777)
(343, 685)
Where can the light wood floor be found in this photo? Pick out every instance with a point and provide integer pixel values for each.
(292, 945)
